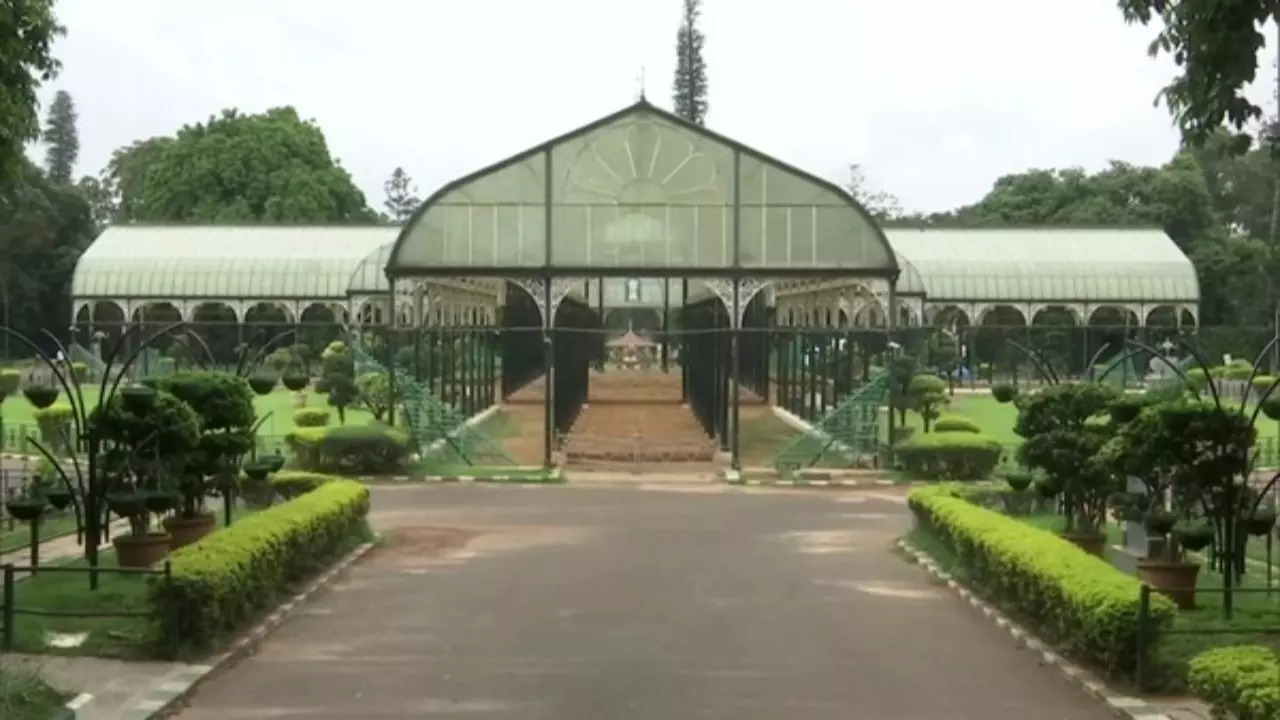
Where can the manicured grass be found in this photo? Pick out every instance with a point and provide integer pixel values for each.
(278, 407)
(764, 436)
(446, 461)
(68, 591)
(51, 526)
(24, 696)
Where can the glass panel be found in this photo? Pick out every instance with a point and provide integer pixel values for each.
(495, 220)
(641, 192)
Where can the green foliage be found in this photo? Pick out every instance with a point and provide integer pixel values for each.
(1004, 393)
(61, 139)
(375, 393)
(689, 89)
(10, 382)
(955, 423)
(310, 417)
(1261, 383)
(1074, 599)
(56, 426)
(227, 579)
(927, 394)
(26, 53)
(1215, 44)
(165, 429)
(289, 484)
(223, 400)
(80, 371)
(402, 196)
(350, 449)
(960, 456)
(1241, 681)
(1062, 435)
(1197, 379)
(1236, 370)
(200, 176)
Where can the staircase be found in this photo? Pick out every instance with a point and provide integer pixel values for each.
(851, 428)
(432, 424)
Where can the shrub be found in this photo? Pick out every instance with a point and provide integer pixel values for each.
(1074, 598)
(1261, 383)
(1237, 370)
(10, 382)
(80, 371)
(950, 456)
(289, 484)
(350, 449)
(1242, 682)
(56, 426)
(1003, 393)
(955, 423)
(227, 579)
(310, 417)
(1197, 379)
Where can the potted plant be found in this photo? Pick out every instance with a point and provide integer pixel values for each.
(26, 509)
(256, 488)
(1018, 499)
(40, 396)
(141, 547)
(1061, 437)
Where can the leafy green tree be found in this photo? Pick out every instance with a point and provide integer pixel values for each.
(268, 167)
(402, 195)
(28, 29)
(927, 395)
(100, 193)
(689, 91)
(375, 393)
(1215, 43)
(62, 139)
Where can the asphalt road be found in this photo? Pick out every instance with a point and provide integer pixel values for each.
(663, 603)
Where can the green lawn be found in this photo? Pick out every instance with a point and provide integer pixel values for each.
(278, 408)
(68, 591)
(447, 462)
(52, 525)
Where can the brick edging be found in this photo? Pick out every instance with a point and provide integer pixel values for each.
(1120, 705)
(171, 696)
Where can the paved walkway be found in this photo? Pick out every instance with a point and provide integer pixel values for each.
(674, 601)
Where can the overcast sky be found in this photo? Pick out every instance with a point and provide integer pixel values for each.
(935, 98)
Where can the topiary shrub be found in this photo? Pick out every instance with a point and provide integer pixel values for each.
(961, 456)
(55, 425)
(1241, 681)
(1004, 393)
(80, 371)
(289, 484)
(1237, 370)
(1074, 599)
(1261, 383)
(1197, 379)
(231, 576)
(350, 449)
(310, 417)
(955, 423)
(10, 383)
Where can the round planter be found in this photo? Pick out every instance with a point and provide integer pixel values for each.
(1092, 543)
(59, 499)
(185, 531)
(140, 551)
(25, 510)
(1177, 581)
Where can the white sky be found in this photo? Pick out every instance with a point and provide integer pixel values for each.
(935, 98)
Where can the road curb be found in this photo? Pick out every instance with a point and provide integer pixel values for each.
(1120, 705)
(734, 477)
(171, 696)
(556, 478)
(73, 707)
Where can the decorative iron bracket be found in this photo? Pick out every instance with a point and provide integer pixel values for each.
(560, 289)
(748, 288)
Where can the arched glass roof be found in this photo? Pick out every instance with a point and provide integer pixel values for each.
(1047, 265)
(370, 274)
(225, 262)
(641, 190)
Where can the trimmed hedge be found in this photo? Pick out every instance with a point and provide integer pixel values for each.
(949, 456)
(955, 423)
(230, 577)
(1243, 680)
(350, 449)
(1074, 599)
(289, 484)
(56, 425)
(310, 417)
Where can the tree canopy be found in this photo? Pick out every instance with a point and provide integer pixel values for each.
(27, 31)
(62, 138)
(689, 89)
(1215, 44)
(268, 167)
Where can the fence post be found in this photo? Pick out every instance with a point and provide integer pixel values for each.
(1143, 639)
(6, 641)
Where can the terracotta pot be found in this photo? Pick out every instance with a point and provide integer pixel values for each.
(185, 531)
(140, 551)
(1092, 543)
(1175, 580)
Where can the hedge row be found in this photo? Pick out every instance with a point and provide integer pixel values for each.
(234, 574)
(373, 449)
(956, 455)
(1242, 682)
(1075, 599)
